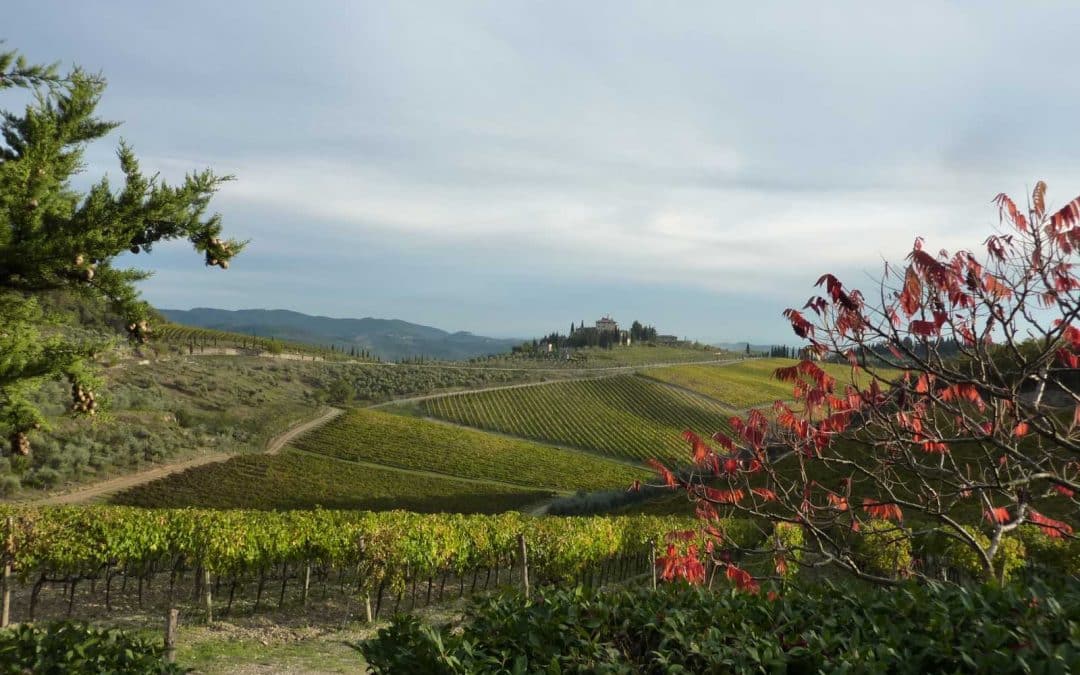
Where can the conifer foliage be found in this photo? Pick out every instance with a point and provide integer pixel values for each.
(56, 238)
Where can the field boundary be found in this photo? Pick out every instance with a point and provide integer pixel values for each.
(432, 474)
(120, 483)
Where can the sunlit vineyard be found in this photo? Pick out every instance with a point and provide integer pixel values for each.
(747, 383)
(421, 444)
(299, 480)
(624, 416)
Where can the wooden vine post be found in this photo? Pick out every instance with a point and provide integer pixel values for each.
(652, 562)
(208, 596)
(524, 553)
(367, 591)
(172, 620)
(7, 554)
(307, 583)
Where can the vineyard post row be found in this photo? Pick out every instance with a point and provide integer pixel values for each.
(375, 554)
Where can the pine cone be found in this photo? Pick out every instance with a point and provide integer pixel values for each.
(20, 444)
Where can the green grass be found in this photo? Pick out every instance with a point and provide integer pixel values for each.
(745, 384)
(411, 443)
(299, 480)
(230, 654)
(624, 416)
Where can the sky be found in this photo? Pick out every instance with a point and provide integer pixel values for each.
(506, 168)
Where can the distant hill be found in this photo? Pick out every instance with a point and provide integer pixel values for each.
(389, 339)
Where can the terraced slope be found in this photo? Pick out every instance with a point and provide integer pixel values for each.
(624, 416)
(742, 385)
(300, 480)
(411, 443)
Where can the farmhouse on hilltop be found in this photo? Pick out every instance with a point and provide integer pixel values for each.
(607, 325)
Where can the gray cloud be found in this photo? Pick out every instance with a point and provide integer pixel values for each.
(509, 167)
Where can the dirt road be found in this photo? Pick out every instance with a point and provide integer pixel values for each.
(121, 483)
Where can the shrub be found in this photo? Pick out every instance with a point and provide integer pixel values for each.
(44, 477)
(1051, 554)
(914, 628)
(883, 548)
(961, 556)
(788, 540)
(67, 647)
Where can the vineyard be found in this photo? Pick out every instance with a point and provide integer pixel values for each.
(411, 443)
(624, 416)
(200, 554)
(300, 480)
(744, 384)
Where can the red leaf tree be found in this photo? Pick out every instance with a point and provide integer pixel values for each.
(944, 407)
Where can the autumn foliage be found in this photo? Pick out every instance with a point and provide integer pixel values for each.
(960, 420)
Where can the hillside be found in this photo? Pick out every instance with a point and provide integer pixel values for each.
(388, 339)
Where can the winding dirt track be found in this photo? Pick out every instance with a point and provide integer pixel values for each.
(121, 483)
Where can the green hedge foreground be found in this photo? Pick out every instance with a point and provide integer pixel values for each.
(911, 629)
(66, 647)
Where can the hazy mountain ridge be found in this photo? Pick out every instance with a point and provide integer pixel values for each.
(389, 339)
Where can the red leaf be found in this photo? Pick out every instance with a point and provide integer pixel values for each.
(799, 324)
(781, 565)
(1006, 205)
(1062, 490)
(923, 328)
(910, 296)
(765, 493)
(998, 514)
(935, 447)
(1049, 526)
(882, 510)
(724, 441)
(663, 472)
(1068, 359)
(742, 579)
(1066, 217)
(1021, 429)
(725, 496)
(1038, 198)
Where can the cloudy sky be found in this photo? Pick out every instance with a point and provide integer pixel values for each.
(508, 167)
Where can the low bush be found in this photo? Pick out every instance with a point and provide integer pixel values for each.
(1051, 555)
(1010, 557)
(885, 549)
(909, 629)
(67, 647)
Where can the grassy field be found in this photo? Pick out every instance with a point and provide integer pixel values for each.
(411, 443)
(300, 480)
(745, 384)
(623, 416)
